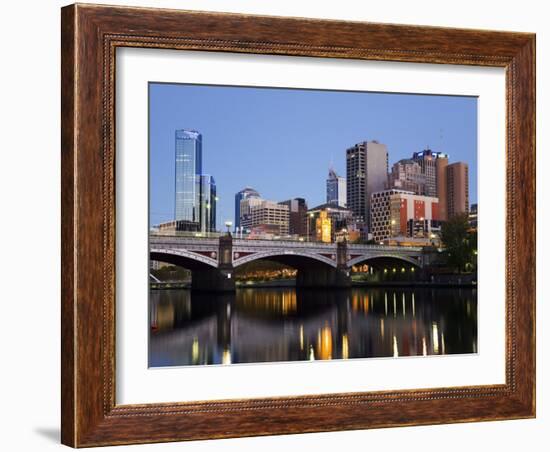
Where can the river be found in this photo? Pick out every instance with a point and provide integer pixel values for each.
(284, 324)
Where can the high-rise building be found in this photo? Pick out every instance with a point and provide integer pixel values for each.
(336, 189)
(366, 173)
(188, 169)
(427, 159)
(399, 213)
(261, 213)
(245, 193)
(297, 208)
(406, 174)
(195, 193)
(441, 184)
(208, 203)
(457, 189)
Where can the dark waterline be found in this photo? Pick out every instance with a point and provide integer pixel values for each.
(283, 324)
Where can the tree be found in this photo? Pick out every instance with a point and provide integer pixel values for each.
(460, 243)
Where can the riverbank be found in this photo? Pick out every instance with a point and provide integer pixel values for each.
(412, 284)
(169, 285)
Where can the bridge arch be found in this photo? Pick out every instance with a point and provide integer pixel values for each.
(183, 258)
(295, 259)
(384, 257)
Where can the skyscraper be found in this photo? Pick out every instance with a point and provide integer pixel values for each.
(441, 185)
(367, 173)
(207, 204)
(457, 189)
(188, 169)
(336, 189)
(195, 193)
(245, 193)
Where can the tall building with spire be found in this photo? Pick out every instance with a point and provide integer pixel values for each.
(336, 189)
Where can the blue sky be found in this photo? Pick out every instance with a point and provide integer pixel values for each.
(282, 141)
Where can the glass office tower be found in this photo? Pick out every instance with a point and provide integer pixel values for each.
(207, 203)
(188, 169)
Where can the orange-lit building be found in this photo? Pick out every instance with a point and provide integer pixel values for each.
(323, 227)
(326, 221)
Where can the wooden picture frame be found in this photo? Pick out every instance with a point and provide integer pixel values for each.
(90, 35)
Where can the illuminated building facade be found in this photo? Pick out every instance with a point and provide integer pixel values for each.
(339, 218)
(323, 227)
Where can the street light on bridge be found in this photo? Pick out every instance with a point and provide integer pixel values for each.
(311, 215)
(228, 225)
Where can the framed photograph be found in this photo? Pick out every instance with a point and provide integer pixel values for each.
(281, 225)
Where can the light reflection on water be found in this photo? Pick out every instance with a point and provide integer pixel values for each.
(266, 325)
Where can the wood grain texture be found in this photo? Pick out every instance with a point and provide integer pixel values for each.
(90, 36)
(68, 310)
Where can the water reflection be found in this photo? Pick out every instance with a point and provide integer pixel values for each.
(261, 325)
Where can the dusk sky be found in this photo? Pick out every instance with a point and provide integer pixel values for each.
(282, 141)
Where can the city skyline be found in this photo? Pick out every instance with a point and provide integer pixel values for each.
(287, 149)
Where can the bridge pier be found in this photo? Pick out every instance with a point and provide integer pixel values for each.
(321, 277)
(219, 279)
(213, 280)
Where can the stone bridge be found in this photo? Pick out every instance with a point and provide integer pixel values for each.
(213, 260)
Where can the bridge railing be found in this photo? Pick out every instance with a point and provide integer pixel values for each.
(236, 236)
(357, 247)
(255, 240)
